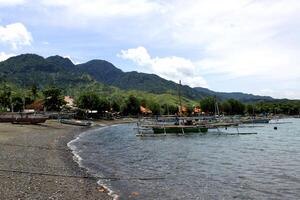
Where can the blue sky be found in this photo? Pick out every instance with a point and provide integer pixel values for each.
(251, 46)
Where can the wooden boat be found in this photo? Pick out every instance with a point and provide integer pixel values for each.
(256, 121)
(192, 129)
(75, 122)
(176, 129)
(22, 118)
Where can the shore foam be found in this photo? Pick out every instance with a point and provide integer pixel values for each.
(76, 157)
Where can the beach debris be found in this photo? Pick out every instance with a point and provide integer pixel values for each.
(134, 194)
(102, 189)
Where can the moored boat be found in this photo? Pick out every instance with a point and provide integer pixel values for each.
(75, 122)
(23, 118)
(179, 129)
(256, 121)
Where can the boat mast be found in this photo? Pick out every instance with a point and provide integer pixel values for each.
(179, 96)
(217, 111)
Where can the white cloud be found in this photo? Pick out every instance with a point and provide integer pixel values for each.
(15, 35)
(232, 39)
(290, 94)
(4, 3)
(172, 68)
(73, 60)
(240, 38)
(5, 56)
(99, 9)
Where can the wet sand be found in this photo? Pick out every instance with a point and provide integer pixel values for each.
(35, 163)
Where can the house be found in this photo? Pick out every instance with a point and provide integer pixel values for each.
(69, 101)
(145, 111)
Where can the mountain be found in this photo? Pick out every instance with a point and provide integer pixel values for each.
(107, 73)
(101, 71)
(28, 69)
(66, 63)
(235, 95)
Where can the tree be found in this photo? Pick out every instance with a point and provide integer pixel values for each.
(53, 99)
(226, 107)
(103, 105)
(250, 109)
(17, 102)
(89, 101)
(115, 106)
(237, 107)
(154, 107)
(132, 106)
(5, 96)
(207, 104)
(34, 92)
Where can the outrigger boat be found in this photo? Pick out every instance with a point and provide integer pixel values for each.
(175, 129)
(256, 121)
(162, 126)
(23, 118)
(75, 122)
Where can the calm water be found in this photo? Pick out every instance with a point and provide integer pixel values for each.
(211, 166)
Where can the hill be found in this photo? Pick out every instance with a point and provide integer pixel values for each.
(235, 95)
(27, 69)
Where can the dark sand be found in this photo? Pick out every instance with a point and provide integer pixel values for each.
(37, 164)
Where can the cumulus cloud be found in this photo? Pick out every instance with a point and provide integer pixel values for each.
(287, 93)
(233, 39)
(88, 9)
(172, 68)
(4, 3)
(5, 56)
(241, 38)
(15, 35)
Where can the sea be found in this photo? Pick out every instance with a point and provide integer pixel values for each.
(218, 165)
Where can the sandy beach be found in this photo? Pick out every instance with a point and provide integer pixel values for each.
(37, 164)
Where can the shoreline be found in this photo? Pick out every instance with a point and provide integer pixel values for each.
(36, 163)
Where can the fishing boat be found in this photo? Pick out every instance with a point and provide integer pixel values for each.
(175, 129)
(256, 121)
(75, 122)
(23, 118)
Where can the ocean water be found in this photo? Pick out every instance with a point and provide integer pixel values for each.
(211, 166)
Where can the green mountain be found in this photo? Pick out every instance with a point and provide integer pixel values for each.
(107, 73)
(235, 95)
(27, 69)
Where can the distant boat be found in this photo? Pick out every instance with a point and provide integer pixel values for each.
(75, 122)
(158, 129)
(256, 121)
(23, 118)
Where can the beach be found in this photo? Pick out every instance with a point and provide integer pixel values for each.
(37, 164)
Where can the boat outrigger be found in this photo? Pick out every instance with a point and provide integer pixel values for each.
(180, 125)
(75, 122)
(23, 118)
(177, 129)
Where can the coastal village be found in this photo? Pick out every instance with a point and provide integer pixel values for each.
(149, 100)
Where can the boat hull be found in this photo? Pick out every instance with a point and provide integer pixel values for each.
(17, 118)
(176, 130)
(257, 121)
(75, 122)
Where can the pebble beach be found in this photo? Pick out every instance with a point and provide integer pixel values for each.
(35, 163)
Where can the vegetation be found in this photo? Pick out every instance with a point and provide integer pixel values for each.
(104, 99)
(29, 69)
(99, 85)
(53, 99)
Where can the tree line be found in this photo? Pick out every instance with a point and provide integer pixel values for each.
(16, 99)
(235, 107)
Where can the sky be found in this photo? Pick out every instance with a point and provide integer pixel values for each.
(250, 46)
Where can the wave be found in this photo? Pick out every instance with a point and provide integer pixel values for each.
(79, 160)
